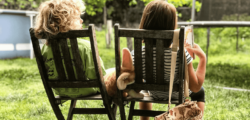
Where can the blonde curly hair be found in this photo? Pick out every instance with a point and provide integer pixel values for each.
(58, 16)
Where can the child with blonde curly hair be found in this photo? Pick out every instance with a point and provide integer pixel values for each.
(57, 16)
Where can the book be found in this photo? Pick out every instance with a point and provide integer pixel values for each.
(189, 37)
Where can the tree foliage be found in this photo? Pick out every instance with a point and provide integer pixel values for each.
(20, 4)
(180, 3)
(95, 6)
(92, 6)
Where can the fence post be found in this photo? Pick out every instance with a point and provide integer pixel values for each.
(208, 37)
(109, 33)
(129, 43)
(237, 40)
(193, 11)
(31, 26)
(105, 15)
(237, 46)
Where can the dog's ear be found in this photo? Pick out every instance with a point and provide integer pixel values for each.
(127, 59)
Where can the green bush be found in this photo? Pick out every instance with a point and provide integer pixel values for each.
(223, 40)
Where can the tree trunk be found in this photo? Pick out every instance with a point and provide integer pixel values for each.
(129, 39)
(105, 15)
(129, 43)
(109, 34)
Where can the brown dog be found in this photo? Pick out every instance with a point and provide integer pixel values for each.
(126, 77)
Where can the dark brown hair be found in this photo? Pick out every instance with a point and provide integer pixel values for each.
(159, 15)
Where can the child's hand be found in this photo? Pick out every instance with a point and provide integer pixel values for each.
(196, 50)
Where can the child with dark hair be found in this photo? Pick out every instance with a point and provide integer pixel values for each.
(161, 15)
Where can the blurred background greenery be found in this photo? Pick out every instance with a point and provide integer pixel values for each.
(22, 95)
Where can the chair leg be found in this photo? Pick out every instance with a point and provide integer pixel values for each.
(122, 111)
(53, 104)
(131, 110)
(57, 112)
(72, 106)
(114, 108)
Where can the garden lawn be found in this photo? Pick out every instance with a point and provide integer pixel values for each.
(22, 97)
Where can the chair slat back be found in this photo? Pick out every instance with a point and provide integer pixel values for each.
(138, 59)
(159, 61)
(55, 46)
(67, 58)
(63, 57)
(154, 56)
(77, 59)
(148, 60)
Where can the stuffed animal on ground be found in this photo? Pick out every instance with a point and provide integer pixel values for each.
(126, 77)
(189, 110)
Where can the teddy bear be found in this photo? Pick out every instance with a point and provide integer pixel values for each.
(126, 77)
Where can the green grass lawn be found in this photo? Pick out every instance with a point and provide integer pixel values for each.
(22, 96)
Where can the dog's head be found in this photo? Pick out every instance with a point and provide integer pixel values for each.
(127, 70)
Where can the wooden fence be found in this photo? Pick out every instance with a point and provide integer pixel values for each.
(209, 24)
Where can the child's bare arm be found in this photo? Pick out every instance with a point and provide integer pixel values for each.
(196, 79)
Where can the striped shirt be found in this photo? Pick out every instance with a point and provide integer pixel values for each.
(167, 67)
